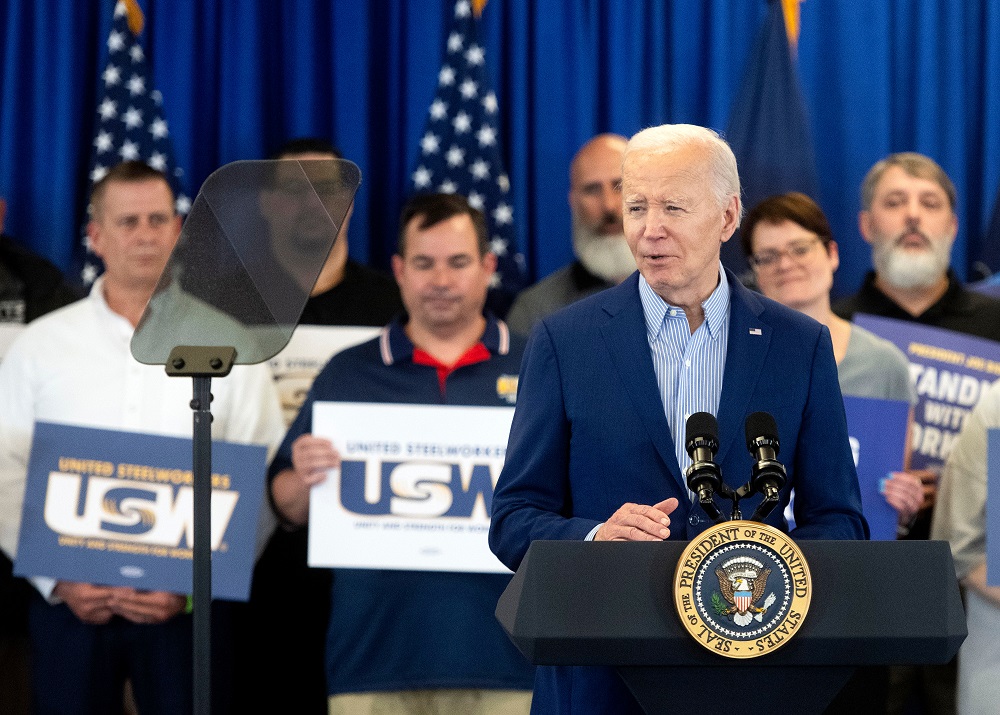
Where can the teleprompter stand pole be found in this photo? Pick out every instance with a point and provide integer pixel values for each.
(202, 364)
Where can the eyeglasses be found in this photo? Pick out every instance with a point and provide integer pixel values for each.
(797, 250)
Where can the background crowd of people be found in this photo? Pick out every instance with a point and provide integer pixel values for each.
(640, 313)
(360, 640)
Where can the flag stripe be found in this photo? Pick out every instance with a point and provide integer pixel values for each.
(130, 121)
(460, 146)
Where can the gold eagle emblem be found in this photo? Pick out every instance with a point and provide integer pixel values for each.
(743, 581)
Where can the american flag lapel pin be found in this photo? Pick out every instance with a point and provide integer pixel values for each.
(755, 331)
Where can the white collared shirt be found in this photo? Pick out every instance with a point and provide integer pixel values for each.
(73, 366)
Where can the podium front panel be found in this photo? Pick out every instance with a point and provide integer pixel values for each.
(611, 603)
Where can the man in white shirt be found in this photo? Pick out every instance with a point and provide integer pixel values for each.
(74, 366)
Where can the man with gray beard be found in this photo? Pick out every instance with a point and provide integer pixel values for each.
(908, 217)
(603, 258)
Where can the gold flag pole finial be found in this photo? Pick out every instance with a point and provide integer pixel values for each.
(790, 9)
(135, 17)
(477, 7)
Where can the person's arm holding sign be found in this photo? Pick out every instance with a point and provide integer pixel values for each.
(311, 458)
(910, 491)
(904, 491)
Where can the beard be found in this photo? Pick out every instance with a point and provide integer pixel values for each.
(912, 269)
(606, 256)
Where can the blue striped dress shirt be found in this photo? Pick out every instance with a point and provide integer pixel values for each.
(688, 366)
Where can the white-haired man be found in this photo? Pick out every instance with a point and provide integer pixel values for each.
(607, 384)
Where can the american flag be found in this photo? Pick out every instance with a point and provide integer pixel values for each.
(460, 147)
(130, 123)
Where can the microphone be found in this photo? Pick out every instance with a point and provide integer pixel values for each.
(767, 476)
(704, 477)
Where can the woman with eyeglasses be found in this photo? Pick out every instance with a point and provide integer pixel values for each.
(789, 244)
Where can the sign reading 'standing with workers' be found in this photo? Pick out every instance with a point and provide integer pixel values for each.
(950, 372)
(116, 508)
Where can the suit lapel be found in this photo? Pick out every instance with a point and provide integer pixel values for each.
(624, 336)
(749, 338)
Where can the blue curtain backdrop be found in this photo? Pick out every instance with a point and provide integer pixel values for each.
(239, 76)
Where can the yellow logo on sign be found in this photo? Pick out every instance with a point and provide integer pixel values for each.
(507, 388)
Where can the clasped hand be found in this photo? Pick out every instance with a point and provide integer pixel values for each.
(96, 605)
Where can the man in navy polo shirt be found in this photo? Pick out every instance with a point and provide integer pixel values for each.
(408, 641)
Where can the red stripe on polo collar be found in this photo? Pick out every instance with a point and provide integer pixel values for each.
(477, 353)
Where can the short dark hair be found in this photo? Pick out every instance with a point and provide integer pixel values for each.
(307, 145)
(435, 208)
(795, 207)
(127, 172)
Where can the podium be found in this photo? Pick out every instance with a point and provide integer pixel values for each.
(611, 603)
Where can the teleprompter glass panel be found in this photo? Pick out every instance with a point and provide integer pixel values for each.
(248, 256)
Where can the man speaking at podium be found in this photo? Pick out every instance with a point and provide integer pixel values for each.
(596, 447)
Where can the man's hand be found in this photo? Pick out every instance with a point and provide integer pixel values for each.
(929, 479)
(905, 493)
(311, 458)
(146, 606)
(90, 603)
(638, 522)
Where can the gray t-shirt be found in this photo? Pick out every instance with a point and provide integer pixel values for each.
(874, 367)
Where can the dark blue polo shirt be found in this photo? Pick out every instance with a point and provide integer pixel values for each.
(407, 630)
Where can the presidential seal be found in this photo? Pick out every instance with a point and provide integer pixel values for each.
(742, 589)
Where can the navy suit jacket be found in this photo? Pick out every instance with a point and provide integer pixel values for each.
(590, 434)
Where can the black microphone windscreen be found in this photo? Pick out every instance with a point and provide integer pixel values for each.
(760, 424)
(702, 424)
